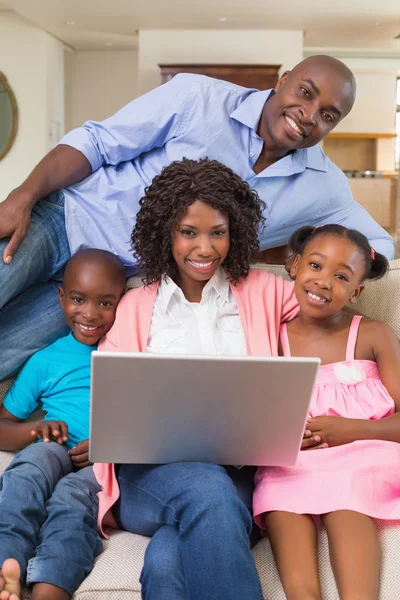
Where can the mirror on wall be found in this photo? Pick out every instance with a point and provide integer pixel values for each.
(8, 116)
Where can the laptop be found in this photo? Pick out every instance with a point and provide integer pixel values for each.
(156, 409)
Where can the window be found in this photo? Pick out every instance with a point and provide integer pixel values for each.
(398, 125)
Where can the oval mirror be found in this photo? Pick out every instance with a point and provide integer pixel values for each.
(8, 116)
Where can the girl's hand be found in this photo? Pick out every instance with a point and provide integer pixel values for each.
(336, 431)
(50, 431)
(312, 442)
(80, 455)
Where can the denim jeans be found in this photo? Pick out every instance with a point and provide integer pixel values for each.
(30, 313)
(200, 531)
(48, 517)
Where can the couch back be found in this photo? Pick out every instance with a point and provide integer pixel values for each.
(380, 300)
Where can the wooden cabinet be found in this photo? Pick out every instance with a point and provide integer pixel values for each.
(261, 77)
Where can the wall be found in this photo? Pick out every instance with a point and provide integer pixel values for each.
(214, 46)
(375, 106)
(98, 83)
(32, 61)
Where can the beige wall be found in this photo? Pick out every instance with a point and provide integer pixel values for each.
(98, 83)
(212, 46)
(32, 61)
(375, 105)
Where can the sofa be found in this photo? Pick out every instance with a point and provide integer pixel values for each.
(116, 573)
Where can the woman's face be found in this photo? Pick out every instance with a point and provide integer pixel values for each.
(200, 243)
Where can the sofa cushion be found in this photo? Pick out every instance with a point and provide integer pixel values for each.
(379, 300)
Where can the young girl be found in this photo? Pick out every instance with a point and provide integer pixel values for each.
(193, 239)
(353, 418)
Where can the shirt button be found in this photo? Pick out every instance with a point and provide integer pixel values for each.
(251, 154)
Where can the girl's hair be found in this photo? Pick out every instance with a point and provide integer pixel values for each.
(168, 197)
(376, 265)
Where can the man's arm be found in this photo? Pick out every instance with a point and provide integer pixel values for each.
(147, 122)
(344, 210)
(61, 167)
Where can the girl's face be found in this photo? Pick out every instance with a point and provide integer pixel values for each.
(200, 243)
(328, 274)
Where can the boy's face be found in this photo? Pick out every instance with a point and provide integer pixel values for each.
(89, 297)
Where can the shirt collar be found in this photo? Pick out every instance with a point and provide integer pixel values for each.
(249, 114)
(168, 288)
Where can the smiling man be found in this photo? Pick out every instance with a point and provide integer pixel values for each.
(267, 137)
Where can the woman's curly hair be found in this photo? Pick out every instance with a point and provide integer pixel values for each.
(167, 199)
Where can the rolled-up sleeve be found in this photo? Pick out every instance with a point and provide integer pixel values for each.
(344, 210)
(145, 123)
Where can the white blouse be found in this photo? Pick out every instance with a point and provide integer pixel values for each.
(211, 326)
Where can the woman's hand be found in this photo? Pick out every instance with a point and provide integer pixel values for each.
(336, 431)
(80, 455)
(50, 431)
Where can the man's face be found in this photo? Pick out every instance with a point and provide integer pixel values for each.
(308, 104)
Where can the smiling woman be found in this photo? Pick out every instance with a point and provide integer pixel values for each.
(8, 117)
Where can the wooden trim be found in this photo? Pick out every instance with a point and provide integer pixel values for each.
(360, 136)
(14, 108)
(217, 66)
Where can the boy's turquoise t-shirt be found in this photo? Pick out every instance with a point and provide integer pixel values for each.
(59, 377)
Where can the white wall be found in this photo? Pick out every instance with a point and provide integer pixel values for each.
(32, 61)
(374, 110)
(98, 83)
(375, 106)
(212, 46)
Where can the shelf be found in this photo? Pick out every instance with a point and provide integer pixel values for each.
(360, 136)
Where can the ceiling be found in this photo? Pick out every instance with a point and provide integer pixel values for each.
(101, 24)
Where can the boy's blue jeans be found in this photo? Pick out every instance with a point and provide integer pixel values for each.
(48, 518)
(30, 313)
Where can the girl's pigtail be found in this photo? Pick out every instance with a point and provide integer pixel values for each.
(299, 239)
(379, 266)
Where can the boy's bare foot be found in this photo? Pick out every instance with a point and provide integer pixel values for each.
(10, 584)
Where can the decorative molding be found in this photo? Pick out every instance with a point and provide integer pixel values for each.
(14, 108)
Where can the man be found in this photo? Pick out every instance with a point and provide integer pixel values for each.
(269, 138)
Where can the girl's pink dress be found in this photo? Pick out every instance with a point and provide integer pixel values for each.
(363, 476)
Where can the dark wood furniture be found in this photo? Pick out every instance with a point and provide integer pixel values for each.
(261, 77)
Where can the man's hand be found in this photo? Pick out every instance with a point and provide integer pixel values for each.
(50, 431)
(80, 455)
(15, 217)
(312, 442)
(336, 431)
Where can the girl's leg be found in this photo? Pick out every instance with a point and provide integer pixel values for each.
(201, 501)
(355, 554)
(294, 544)
(162, 575)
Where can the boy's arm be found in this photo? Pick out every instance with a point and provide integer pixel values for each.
(16, 434)
(21, 400)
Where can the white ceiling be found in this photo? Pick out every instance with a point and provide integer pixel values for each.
(101, 24)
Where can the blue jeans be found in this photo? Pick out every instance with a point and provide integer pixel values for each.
(200, 531)
(30, 313)
(48, 517)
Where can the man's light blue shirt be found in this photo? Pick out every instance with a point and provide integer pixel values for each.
(193, 116)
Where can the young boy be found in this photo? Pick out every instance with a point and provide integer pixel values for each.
(31, 515)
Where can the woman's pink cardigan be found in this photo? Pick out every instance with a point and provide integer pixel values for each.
(263, 301)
